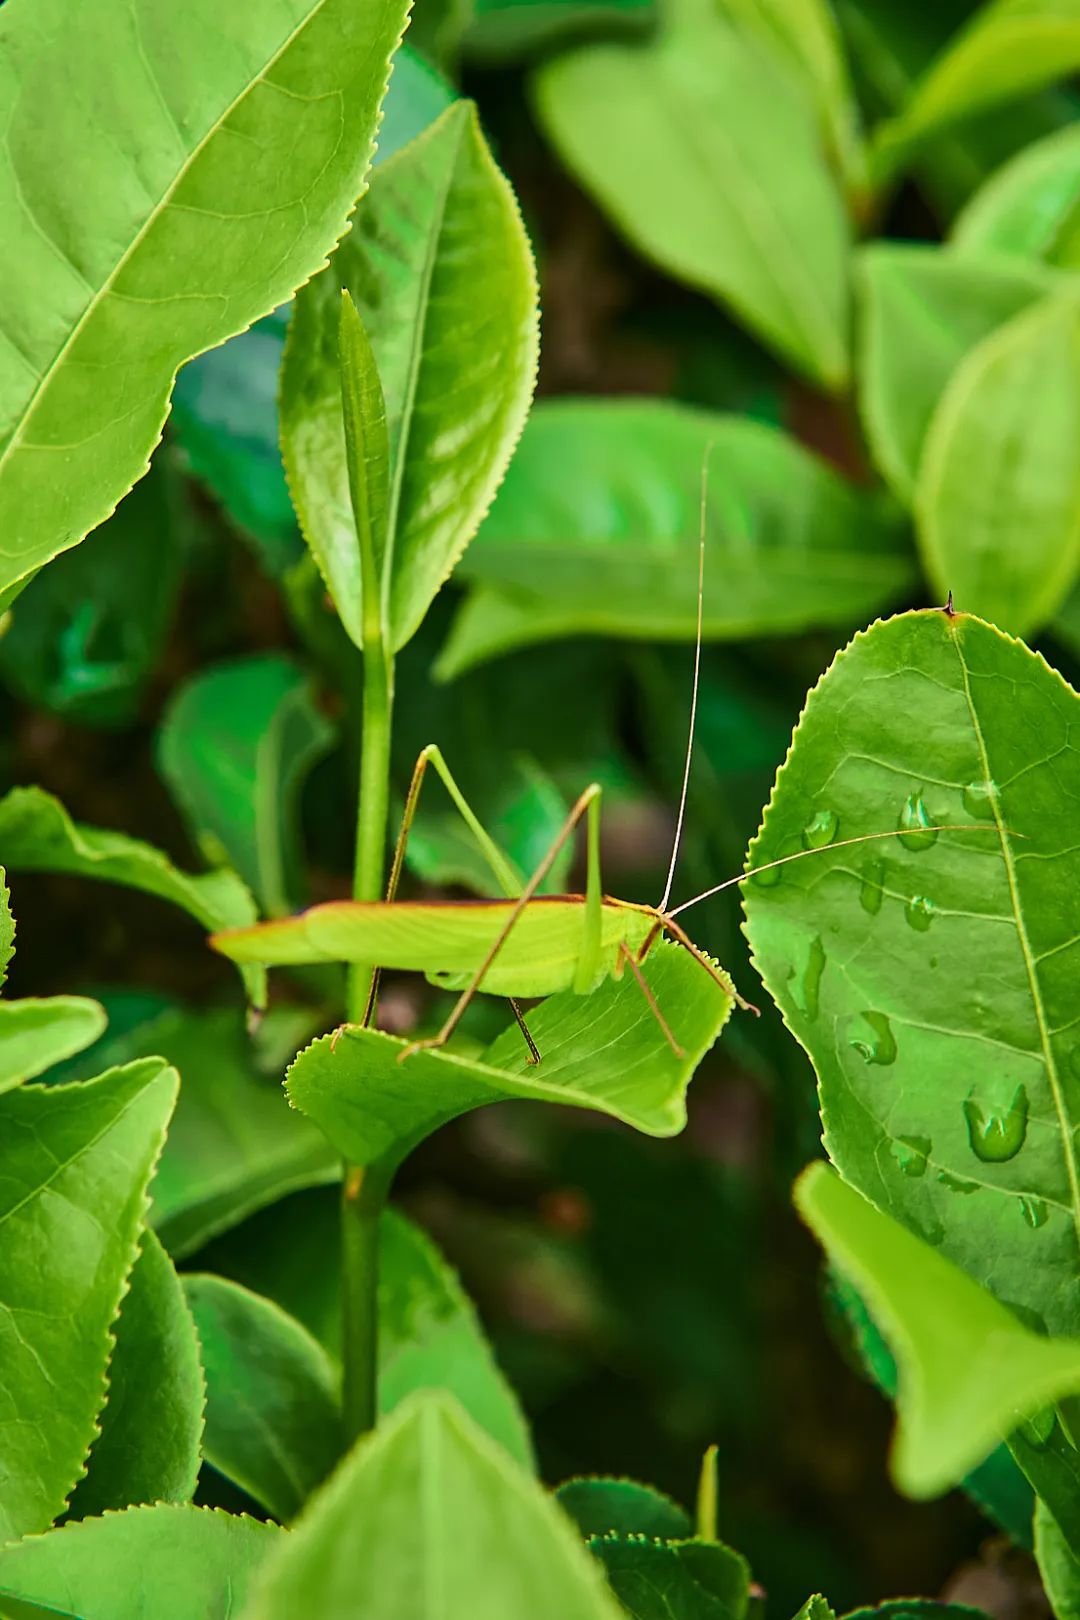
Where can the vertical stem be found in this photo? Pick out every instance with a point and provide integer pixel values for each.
(373, 810)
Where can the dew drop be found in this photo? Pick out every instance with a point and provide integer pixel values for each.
(821, 829)
(911, 1154)
(805, 986)
(768, 877)
(997, 1134)
(1035, 1212)
(916, 829)
(979, 800)
(919, 913)
(874, 1040)
(872, 888)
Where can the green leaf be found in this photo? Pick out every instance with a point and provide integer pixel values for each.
(234, 1144)
(969, 1372)
(430, 1338)
(1030, 207)
(38, 835)
(916, 1609)
(931, 977)
(150, 1563)
(500, 31)
(1058, 1565)
(601, 1507)
(604, 1051)
(440, 269)
(236, 745)
(1002, 459)
(152, 1422)
(705, 153)
(674, 1580)
(36, 1034)
(85, 635)
(597, 528)
(273, 1414)
(523, 813)
(7, 927)
(367, 463)
(452, 1529)
(922, 311)
(74, 1166)
(250, 161)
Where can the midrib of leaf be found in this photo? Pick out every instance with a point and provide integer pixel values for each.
(17, 437)
(66, 1164)
(1064, 1124)
(431, 1494)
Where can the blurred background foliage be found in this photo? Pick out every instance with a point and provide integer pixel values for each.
(179, 677)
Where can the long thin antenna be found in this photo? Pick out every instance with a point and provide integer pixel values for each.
(841, 843)
(697, 678)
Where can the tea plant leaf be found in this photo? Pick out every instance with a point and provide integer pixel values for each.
(1002, 458)
(499, 31)
(604, 1051)
(7, 927)
(249, 165)
(75, 1163)
(236, 745)
(674, 1580)
(430, 1338)
(152, 1421)
(969, 1372)
(596, 530)
(922, 311)
(439, 1503)
(704, 152)
(150, 1563)
(931, 977)
(916, 1609)
(440, 269)
(1030, 207)
(36, 1034)
(38, 835)
(602, 1507)
(1058, 1565)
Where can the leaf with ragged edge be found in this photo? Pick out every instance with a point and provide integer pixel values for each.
(273, 1410)
(38, 835)
(430, 1338)
(151, 1563)
(87, 633)
(916, 1609)
(705, 153)
(601, 1507)
(75, 1164)
(439, 267)
(249, 164)
(969, 1371)
(7, 927)
(597, 527)
(1009, 48)
(35, 1034)
(439, 1502)
(234, 1144)
(922, 311)
(152, 1421)
(1002, 459)
(932, 978)
(674, 1580)
(604, 1051)
(235, 746)
(1030, 207)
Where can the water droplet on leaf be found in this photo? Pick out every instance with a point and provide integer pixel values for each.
(979, 800)
(768, 877)
(1035, 1212)
(919, 913)
(873, 1039)
(805, 986)
(872, 890)
(916, 828)
(911, 1153)
(997, 1134)
(821, 829)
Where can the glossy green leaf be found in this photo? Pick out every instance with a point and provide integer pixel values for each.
(705, 153)
(7, 927)
(622, 1507)
(597, 527)
(496, 31)
(152, 1421)
(440, 269)
(604, 1051)
(234, 1144)
(932, 976)
(1031, 207)
(35, 1034)
(916, 1609)
(1058, 1565)
(235, 746)
(75, 1164)
(150, 1563)
(38, 835)
(969, 1372)
(440, 1504)
(922, 311)
(273, 1415)
(430, 1338)
(1002, 460)
(86, 634)
(251, 159)
(674, 1580)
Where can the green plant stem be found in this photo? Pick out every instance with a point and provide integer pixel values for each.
(373, 811)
